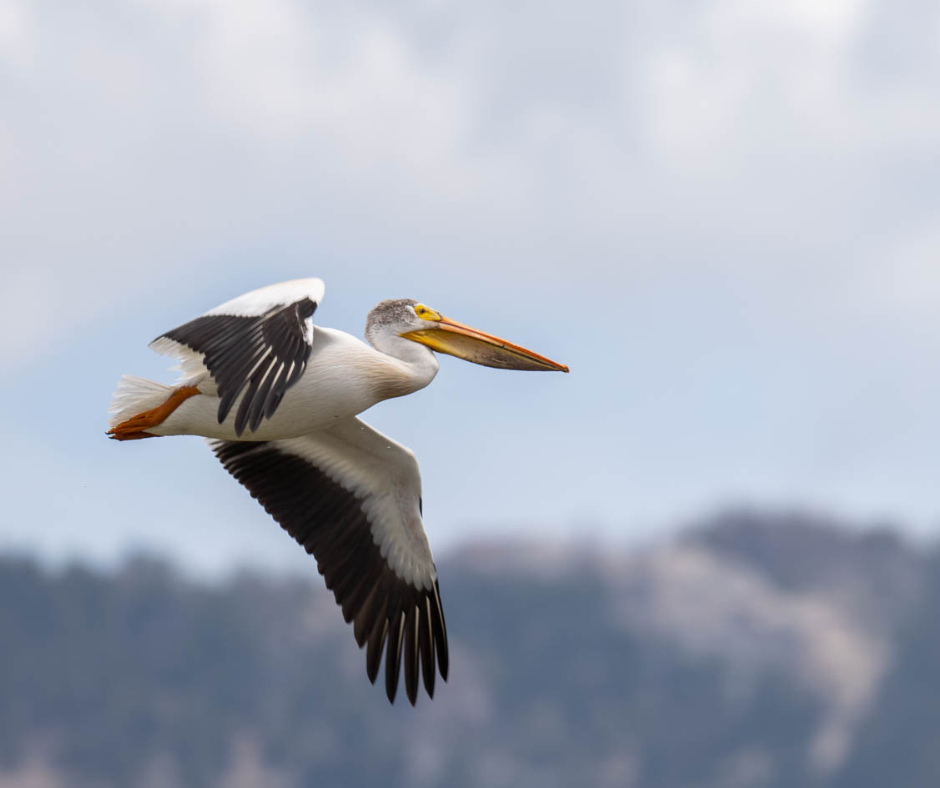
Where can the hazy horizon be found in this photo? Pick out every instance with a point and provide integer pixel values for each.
(556, 551)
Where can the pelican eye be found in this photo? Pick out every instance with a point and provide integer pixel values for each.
(426, 313)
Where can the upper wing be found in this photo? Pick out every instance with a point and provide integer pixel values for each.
(260, 340)
(352, 497)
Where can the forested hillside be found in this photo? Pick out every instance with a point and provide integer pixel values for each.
(764, 651)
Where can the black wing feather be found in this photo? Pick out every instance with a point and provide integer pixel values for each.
(265, 353)
(411, 653)
(329, 522)
(426, 646)
(396, 628)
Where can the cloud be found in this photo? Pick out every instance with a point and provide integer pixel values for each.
(721, 214)
(184, 130)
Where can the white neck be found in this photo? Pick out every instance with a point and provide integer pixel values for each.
(417, 363)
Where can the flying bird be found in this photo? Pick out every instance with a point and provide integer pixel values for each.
(278, 399)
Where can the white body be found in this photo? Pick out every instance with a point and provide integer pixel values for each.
(344, 377)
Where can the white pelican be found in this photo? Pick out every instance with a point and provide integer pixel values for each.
(278, 399)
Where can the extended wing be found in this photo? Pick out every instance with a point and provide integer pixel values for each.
(352, 497)
(257, 343)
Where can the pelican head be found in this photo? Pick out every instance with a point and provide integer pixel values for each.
(417, 322)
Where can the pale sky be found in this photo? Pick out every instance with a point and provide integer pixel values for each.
(724, 215)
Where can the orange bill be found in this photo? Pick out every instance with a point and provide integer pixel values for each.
(456, 339)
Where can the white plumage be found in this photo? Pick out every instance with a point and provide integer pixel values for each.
(279, 400)
(260, 301)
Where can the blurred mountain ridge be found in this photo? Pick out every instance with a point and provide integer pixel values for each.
(756, 649)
